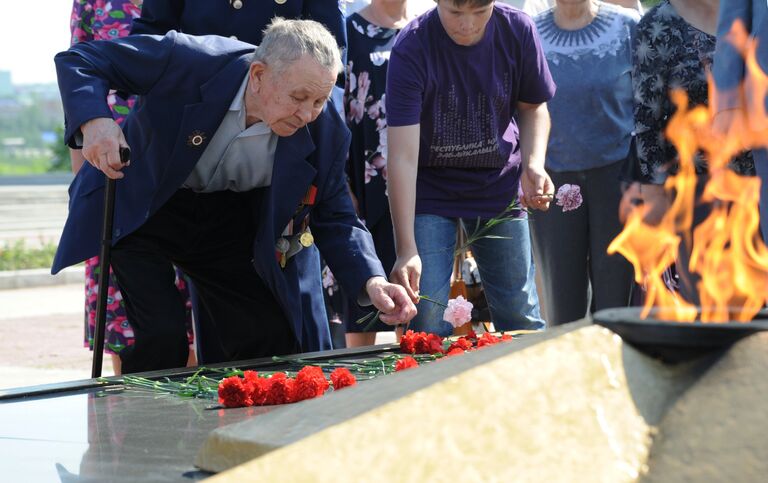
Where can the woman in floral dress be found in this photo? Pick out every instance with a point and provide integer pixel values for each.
(371, 32)
(104, 20)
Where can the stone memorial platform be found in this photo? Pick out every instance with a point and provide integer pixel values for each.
(574, 403)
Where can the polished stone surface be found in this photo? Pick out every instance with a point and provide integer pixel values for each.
(77, 432)
(107, 436)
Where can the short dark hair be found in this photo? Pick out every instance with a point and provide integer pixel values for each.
(472, 3)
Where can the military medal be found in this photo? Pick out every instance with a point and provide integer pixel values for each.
(281, 248)
(236, 4)
(306, 239)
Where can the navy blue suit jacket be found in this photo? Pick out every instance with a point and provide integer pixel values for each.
(186, 85)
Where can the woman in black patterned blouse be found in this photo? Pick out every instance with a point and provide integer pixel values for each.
(674, 47)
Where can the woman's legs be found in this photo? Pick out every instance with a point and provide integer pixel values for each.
(507, 272)
(436, 242)
(561, 244)
(611, 275)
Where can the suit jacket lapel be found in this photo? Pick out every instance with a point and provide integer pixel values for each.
(292, 175)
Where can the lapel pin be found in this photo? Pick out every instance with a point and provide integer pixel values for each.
(196, 139)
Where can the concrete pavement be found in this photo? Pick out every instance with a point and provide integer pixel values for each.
(41, 336)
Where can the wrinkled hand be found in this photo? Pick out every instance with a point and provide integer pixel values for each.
(391, 300)
(537, 187)
(407, 274)
(102, 139)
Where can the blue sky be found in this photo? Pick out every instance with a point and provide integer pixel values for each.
(31, 33)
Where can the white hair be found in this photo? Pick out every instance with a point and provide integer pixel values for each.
(286, 41)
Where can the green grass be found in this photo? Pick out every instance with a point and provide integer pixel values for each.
(16, 167)
(18, 256)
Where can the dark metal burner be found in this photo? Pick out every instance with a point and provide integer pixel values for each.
(675, 341)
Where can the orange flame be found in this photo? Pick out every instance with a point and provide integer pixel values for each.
(728, 252)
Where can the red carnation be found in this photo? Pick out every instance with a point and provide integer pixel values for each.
(455, 351)
(405, 363)
(471, 335)
(408, 342)
(462, 343)
(506, 337)
(251, 377)
(256, 387)
(434, 344)
(260, 390)
(281, 390)
(487, 339)
(234, 393)
(310, 383)
(341, 377)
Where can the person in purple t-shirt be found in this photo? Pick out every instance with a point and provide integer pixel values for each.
(466, 97)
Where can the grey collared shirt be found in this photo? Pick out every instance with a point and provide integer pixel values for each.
(236, 158)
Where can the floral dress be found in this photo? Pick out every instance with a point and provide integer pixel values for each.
(368, 54)
(104, 20)
(669, 53)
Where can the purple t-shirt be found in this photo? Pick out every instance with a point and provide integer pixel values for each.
(464, 98)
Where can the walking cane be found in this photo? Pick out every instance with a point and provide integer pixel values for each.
(104, 262)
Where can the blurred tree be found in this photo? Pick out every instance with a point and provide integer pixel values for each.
(60, 159)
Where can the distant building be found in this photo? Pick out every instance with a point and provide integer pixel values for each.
(6, 86)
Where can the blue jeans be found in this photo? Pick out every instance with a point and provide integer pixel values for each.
(505, 265)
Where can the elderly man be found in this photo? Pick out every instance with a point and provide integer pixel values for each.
(235, 158)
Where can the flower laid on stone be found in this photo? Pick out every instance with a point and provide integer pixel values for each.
(304, 379)
(458, 312)
(341, 378)
(569, 197)
(234, 392)
(423, 343)
(405, 363)
(253, 390)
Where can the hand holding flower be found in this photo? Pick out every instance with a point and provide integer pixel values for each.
(407, 273)
(394, 305)
(536, 186)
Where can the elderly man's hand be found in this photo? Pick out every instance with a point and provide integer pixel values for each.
(395, 305)
(102, 139)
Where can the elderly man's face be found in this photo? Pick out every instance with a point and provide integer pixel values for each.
(288, 100)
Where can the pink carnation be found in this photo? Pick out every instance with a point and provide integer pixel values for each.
(458, 312)
(569, 197)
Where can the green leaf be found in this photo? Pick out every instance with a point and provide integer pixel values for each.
(117, 14)
(121, 109)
